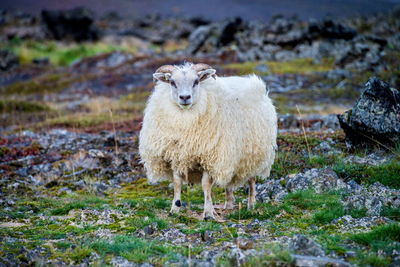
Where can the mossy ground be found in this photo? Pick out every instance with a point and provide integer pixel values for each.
(66, 226)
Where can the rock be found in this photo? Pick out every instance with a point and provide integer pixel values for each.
(8, 60)
(321, 180)
(331, 30)
(303, 245)
(119, 261)
(206, 236)
(310, 261)
(353, 225)
(375, 117)
(150, 229)
(75, 24)
(173, 235)
(270, 190)
(371, 159)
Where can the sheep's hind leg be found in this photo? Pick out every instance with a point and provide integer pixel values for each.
(229, 198)
(207, 183)
(176, 202)
(252, 193)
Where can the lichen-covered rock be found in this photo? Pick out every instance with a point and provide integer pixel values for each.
(372, 199)
(375, 118)
(355, 225)
(321, 180)
(8, 60)
(303, 245)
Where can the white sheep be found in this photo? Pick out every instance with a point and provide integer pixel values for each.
(198, 127)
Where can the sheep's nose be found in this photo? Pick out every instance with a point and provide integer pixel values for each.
(184, 97)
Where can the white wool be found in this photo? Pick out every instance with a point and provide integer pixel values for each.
(230, 132)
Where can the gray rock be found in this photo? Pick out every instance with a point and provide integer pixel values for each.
(310, 261)
(303, 245)
(75, 24)
(321, 180)
(375, 117)
(8, 60)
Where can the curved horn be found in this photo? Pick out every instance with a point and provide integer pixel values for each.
(201, 66)
(165, 69)
(163, 73)
(204, 71)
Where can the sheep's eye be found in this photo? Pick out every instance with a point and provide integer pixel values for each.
(173, 84)
(196, 82)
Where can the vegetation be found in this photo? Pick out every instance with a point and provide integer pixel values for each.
(60, 53)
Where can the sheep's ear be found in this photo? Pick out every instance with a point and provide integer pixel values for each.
(162, 76)
(205, 74)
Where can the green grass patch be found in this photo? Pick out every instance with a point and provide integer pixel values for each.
(60, 53)
(133, 248)
(145, 218)
(299, 66)
(86, 202)
(387, 174)
(392, 213)
(8, 106)
(385, 237)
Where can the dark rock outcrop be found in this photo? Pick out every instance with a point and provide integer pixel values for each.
(8, 60)
(375, 118)
(76, 24)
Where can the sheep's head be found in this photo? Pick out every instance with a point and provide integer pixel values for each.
(184, 81)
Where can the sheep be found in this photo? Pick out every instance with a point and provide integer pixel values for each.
(201, 128)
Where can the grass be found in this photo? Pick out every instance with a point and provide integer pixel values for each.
(299, 66)
(385, 237)
(8, 106)
(294, 204)
(132, 248)
(145, 218)
(387, 174)
(60, 53)
(92, 202)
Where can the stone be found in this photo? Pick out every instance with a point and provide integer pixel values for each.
(8, 60)
(311, 261)
(321, 180)
(374, 120)
(303, 245)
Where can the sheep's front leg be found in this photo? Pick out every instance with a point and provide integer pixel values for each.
(252, 193)
(207, 183)
(229, 198)
(176, 202)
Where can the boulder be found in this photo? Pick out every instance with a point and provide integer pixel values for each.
(375, 118)
(75, 24)
(8, 60)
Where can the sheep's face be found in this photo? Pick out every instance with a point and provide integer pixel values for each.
(184, 83)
